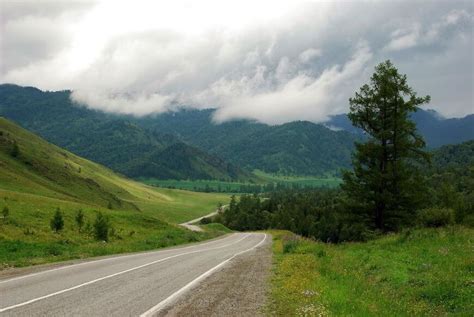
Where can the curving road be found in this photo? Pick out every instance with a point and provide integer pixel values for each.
(192, 224)
(139, 284)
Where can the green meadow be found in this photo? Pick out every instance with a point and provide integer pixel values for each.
(37, 177)
(263, 180)
(422, 272)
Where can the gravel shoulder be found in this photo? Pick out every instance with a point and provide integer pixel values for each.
(240, 288)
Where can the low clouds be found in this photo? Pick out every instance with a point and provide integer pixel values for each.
(298, 60)
(315, 97)
(454, 23)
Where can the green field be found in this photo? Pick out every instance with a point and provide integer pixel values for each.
(424, 272)
(240, 187)
(311, 181)
(26, 237)
(37, 177)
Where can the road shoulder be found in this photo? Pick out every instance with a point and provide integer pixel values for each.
(239, 288)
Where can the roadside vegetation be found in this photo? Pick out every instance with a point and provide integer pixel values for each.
(396, 239)
(396, 184)
(57, 206)
(28, 236)
(419, 272)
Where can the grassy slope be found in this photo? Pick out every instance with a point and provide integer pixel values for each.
(425, 272)
(44, 177)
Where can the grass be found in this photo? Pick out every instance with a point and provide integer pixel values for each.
(26, 237)
(197, 185)
(43, 177)
(42, 169)
(239, 187)
(310, 181)
(424, 272)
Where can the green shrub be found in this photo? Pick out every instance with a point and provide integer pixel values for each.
(101, 227)
(435, 217)
(468, 221)
(79, 219)
(290, 243)
(15, 151)
(5, 212)
(57, 223)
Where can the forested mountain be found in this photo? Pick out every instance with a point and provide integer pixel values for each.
(188, 144)
(435, 129)
(299, 147)
(322, 214)
(111, 140)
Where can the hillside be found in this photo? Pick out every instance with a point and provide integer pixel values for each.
(435, 129)
(45, 170)
(37, 177)
(454, 155)
(142, 147)
(108, 139)
(187, 144)
(301, 148)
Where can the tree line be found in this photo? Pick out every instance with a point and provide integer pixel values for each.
(246, 188)
(392, 185)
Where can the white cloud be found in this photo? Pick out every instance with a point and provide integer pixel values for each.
(316, 97)
(310, 54)
(273, 61)
(403, 39)
(137, 105)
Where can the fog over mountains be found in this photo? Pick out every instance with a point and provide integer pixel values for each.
(274, 61)
(190, 144)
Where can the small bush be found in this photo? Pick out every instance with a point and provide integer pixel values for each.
(435, 217)
(15, 151)
(101, 227)
(88, 228)
(5, 212)
(290, 243)
(79, 219)
(57, 223)
(468, 221)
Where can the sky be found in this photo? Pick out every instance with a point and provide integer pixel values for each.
(273, 61)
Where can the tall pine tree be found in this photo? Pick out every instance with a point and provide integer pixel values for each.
(385, 186)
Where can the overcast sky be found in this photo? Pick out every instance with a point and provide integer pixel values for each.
(269, 60)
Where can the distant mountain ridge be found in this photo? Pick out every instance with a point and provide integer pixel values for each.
(299, 147)
(187, 144)
(112, 140)
(436, 129)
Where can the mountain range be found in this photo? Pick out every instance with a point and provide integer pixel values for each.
(435, 129)
(187, 144)
(113, 141)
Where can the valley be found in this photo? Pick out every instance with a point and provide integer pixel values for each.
(237, 158)
(41, 178)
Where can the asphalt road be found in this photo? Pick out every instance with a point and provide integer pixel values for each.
(192, 224)
(139, 284)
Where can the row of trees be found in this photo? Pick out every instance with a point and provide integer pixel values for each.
(391, 186)
(249, 188)
(100, 228)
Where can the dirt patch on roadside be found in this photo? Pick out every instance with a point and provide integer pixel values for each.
(238, 289)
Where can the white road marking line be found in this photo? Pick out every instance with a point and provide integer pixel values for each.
(155, 309)
(112, 275)
(107, 259)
